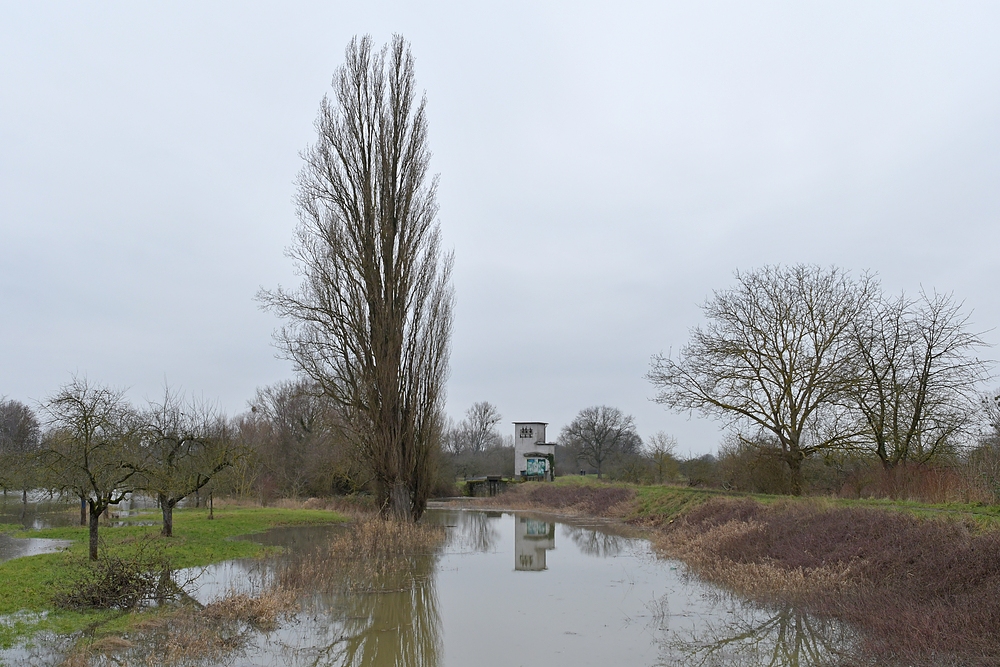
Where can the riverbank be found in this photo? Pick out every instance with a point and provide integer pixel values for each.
(29, 586)
(921, 583)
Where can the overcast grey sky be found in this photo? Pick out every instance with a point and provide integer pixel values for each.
(604, 167)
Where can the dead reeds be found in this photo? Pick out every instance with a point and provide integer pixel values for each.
(374, 554)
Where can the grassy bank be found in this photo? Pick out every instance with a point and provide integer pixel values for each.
(920, 582)
(29, 585)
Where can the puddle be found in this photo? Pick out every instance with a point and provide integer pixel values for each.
(16, 547)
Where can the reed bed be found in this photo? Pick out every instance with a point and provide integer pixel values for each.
(373, 555)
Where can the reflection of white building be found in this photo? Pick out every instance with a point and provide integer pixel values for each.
(532, 538)
(533, 457)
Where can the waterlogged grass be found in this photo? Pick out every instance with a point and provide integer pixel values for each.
(30, 584)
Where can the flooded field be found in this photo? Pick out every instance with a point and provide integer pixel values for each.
(502, 589)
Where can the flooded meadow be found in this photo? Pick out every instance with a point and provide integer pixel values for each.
(486, 589)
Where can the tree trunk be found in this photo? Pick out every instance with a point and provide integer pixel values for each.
(167, 509)
(95, 516)
(399, 502)
(795, 467)
(83, 511)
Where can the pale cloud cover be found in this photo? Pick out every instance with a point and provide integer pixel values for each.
(603, 169)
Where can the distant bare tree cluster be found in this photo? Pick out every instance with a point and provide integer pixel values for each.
(803, 362)
(474, 446)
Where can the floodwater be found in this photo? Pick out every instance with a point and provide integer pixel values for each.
(510, 589)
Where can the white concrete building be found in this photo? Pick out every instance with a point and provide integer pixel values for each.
(533, 457)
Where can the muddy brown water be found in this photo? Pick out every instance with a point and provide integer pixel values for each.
(512, 589)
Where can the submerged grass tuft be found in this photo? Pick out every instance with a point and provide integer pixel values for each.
(374, 554)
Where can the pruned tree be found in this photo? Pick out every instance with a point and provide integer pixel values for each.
(185, 446)
(20, 442)
(371, 321)
(775, 357)
(918, 383)
(600, 433)
(93, 447)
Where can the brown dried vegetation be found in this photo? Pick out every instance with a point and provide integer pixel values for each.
(374, 554)
(581, 499)
(917, 589)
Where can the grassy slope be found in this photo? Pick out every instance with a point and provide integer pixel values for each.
(657, 505)
(29, 584)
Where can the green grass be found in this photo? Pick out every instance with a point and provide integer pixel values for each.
(662, 503)
(30, 584)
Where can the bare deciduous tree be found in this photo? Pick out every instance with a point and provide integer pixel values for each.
(660, 448)
(599, 433)
(477, 432)
(93, 447)
(774, 357)
(185, 447)
(20, 440)
(918, 382)
(371, 321)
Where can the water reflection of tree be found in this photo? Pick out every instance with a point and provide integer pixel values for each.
(595, 542)
(394, 621)
(756, 638)
(468, 531)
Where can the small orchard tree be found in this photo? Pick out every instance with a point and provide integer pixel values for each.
(185, 446)
(93, 447)
(600, 433)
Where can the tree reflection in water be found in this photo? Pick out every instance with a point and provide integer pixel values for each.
(389, 626)
(595, 542)
(474, 532)
(382, 620)
(782, 637)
